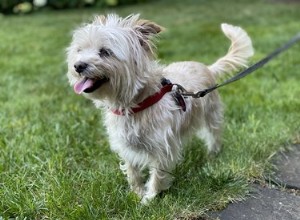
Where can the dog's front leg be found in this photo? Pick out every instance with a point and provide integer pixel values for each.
(159, 180)
(134, 177)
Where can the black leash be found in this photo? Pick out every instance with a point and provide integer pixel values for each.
(182, 91)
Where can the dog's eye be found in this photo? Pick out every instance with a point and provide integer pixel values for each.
(104, 52)
(78, 50)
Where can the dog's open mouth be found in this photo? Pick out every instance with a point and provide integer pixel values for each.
(88, 85)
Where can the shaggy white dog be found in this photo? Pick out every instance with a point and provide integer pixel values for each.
(112, 62)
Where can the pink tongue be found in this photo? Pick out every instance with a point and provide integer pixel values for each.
(82, 85)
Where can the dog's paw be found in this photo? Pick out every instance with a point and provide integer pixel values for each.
(138, 190)
(147, 198)
(215, 150)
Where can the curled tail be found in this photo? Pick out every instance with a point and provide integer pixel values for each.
(239, 52)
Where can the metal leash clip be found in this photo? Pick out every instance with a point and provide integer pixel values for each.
(182, 91)
(179, 98)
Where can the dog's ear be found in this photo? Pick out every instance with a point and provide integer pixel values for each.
(147, 30)
(100, 19)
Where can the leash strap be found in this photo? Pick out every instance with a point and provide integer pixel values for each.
(242, 74)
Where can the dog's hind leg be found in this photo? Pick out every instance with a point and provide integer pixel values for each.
(211, 136)
(134, 178)
(212, 129)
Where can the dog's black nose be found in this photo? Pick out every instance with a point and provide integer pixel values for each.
(80, 66)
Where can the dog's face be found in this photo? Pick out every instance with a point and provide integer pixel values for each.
(109, 57)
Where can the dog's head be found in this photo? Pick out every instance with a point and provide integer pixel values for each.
(110, 58)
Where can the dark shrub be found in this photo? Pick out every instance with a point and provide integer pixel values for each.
(61, 4)
(7, 6)
(14, 6)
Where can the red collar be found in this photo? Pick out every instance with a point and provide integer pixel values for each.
(151, 100)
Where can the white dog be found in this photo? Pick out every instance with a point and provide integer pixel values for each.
(112, 62)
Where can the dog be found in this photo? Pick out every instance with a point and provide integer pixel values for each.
(112, 61)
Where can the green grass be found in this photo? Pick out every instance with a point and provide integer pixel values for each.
(55, 161)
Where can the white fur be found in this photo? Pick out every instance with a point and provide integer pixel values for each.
(239, 51)
(151, 139)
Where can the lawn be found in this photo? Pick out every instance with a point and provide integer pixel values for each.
(55, 161)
